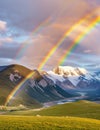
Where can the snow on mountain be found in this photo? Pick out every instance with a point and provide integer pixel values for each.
(53, 76)
(62, 72)
(75, 75)
(97, 75)
(15, 76)
(69, 71)
(74, 80)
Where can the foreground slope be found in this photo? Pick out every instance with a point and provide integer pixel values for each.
(77, 109)
(47, 123)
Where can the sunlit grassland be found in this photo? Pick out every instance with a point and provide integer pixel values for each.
(84, 109)
(47, 123)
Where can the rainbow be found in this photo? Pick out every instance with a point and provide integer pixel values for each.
(18, 87)
(79, 38)
(26, 43)
(73, 45)
(66, 34)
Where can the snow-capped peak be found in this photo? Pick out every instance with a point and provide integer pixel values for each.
(53, 76)
(69, 71)
(75, 75)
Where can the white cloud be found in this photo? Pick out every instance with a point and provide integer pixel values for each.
(3, 25)
(6, 40)
(87, 51)
(5, 61)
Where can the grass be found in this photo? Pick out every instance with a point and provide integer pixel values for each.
(83, 109)
(47, 123)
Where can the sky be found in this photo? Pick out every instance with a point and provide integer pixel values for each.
(32, 33)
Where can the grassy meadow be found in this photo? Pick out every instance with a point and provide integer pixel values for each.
(84, 109)
(47, 123)
(81, 115)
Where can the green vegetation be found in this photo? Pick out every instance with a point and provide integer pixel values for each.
(47, 123)
(77, 109)
(59, 117)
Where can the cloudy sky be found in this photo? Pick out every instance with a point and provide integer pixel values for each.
(29, 29)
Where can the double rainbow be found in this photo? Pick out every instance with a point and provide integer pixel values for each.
(26, 43)
(78, 39)
(74, 44)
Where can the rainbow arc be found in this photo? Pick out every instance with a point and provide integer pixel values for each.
(79, 38)
(36, 31)
(91, 25)
(85, 20)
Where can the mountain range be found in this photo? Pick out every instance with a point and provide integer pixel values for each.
(63, 82)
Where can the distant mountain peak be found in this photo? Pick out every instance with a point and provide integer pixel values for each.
(69, 71)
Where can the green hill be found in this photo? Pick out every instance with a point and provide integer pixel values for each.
(47, 123)
(77, 109)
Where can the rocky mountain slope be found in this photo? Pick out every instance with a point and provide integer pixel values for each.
(10, 77)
